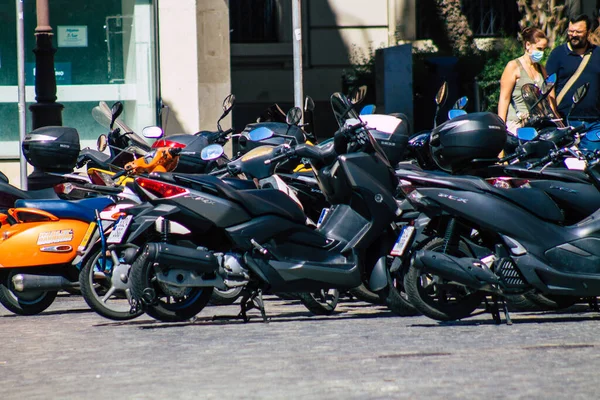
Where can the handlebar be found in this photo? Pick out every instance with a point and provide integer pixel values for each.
(287, 154)
(104, 189)
(119, 174)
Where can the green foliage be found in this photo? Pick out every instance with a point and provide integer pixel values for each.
(489, 77)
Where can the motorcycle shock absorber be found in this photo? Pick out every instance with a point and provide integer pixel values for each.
(450, 237)
(165, 230)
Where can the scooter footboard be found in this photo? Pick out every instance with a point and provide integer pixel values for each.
(306, 276)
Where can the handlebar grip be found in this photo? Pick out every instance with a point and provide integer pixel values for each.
(174, 151)
(277, 158)
(578, 129)
(542, 161)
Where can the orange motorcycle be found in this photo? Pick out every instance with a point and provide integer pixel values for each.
(41, 244)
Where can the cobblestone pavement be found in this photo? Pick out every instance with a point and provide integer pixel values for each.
(361, 352)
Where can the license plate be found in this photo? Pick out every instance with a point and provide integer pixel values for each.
(86, 237)
(324, 213)
(119, 230)
(403, 240)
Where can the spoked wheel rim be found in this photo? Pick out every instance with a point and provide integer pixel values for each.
(110, 286)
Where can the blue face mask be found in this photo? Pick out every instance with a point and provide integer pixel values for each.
(536, 56)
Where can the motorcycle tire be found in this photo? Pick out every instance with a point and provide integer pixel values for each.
(99, 292)
(30, 303)
(395, 298)
(225, 297)
(521, 303)
(165, 307)
(320, 303)
(549, 302)
(432, 299)
(362, 293)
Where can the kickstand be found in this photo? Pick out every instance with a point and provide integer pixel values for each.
(249, 301)
(495, 310)
(506, 314)
(594, 304)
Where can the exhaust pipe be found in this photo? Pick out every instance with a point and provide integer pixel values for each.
(41, 283)
(180, 257)
(467, 271)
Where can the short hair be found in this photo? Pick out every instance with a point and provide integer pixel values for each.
(532, 34)
(581, 17)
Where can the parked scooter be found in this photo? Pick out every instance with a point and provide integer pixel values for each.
(42, 241)
(504, 258)
(262, 241)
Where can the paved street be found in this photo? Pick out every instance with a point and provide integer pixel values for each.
(361, 352)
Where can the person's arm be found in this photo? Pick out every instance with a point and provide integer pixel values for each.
(507, 85)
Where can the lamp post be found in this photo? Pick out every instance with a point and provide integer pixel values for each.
(46, 111)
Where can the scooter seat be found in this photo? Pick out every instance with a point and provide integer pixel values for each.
(83, 210)
(257, 202)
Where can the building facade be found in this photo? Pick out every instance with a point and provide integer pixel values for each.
(172, 62)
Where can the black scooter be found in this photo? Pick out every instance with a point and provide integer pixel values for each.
(258, 238)
(517, 244)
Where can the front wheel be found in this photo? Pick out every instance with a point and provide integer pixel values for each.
(106, 287)
(320, 303)
(437, 298)
(28, 303)
(164, 302)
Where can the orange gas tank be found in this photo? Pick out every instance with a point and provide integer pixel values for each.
(49, 242)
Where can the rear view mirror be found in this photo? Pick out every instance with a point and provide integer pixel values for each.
(101, 143)
(461, 103)
(368, 109)
(549, 83)
(211, 152)
(116, 110)
(456, 113)
(227, 106)
(526, 133)
(442, 94)
(259, 134)
(580, 93)
(228, 103)
(309, 104)
(152, 132)
(293, 116)
(358, 94)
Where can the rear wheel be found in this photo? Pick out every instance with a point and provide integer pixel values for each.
(225, 297)
(28, 303)
(164, 302)
(434, 296)
(323, 302)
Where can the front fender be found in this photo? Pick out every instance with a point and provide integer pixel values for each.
(379, 275)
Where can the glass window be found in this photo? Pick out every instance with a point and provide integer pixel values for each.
(105, 51)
